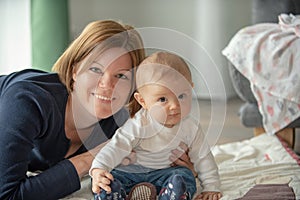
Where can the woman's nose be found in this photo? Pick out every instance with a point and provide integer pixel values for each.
(106, 81)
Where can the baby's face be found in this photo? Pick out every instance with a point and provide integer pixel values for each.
(168, 104)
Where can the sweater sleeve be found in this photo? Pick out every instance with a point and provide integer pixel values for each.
(116, 149)
(204, 163)
(24, 128)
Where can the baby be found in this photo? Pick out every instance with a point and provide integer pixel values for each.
(163, 123)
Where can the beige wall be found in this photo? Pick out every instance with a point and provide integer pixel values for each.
(211, 23)
(15, 41)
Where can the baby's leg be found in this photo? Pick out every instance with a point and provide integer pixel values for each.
(180, 184)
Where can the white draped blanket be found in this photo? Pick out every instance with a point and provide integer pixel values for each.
(268, 55)
(260, 160)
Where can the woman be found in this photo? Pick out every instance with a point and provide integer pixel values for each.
(48, 121)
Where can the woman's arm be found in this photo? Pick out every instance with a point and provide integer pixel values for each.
(57, 181)
(83, 162)
(30, 140)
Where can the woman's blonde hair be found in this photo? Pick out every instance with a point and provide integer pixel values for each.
(107, 34)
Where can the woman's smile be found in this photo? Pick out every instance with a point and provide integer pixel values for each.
(104, 97)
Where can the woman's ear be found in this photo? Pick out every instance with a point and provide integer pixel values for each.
(74, 73)
(138, 97)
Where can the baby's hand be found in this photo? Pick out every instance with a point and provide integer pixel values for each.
(101, 179)
(209, 196)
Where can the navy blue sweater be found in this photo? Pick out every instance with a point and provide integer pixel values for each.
(32, 137)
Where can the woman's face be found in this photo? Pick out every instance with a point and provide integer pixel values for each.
(103, 86)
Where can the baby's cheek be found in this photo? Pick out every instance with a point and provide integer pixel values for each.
(185, 108)
(158, 113)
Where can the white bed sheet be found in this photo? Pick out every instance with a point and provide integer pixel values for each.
(259, 160)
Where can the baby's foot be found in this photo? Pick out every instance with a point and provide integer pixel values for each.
(175, 190)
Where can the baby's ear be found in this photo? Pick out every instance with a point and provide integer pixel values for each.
(138, 97)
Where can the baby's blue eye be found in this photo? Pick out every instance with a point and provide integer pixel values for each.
(182, 96)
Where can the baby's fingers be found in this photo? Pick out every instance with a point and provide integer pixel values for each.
(101, 183)
(101, 179)
(210, 196)
(96, 189)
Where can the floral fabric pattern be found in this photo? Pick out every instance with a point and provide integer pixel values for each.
(268, 55)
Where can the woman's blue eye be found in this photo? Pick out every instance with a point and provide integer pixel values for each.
(96, 70)
(122, 76)
(162, 99)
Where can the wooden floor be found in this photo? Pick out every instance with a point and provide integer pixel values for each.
(232, 129)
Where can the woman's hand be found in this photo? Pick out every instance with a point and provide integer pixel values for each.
(130, 159)
(181, 158)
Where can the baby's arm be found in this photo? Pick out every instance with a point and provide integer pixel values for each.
(206, 167)
(101, 179)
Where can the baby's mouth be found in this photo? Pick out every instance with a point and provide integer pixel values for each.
(174, 114)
